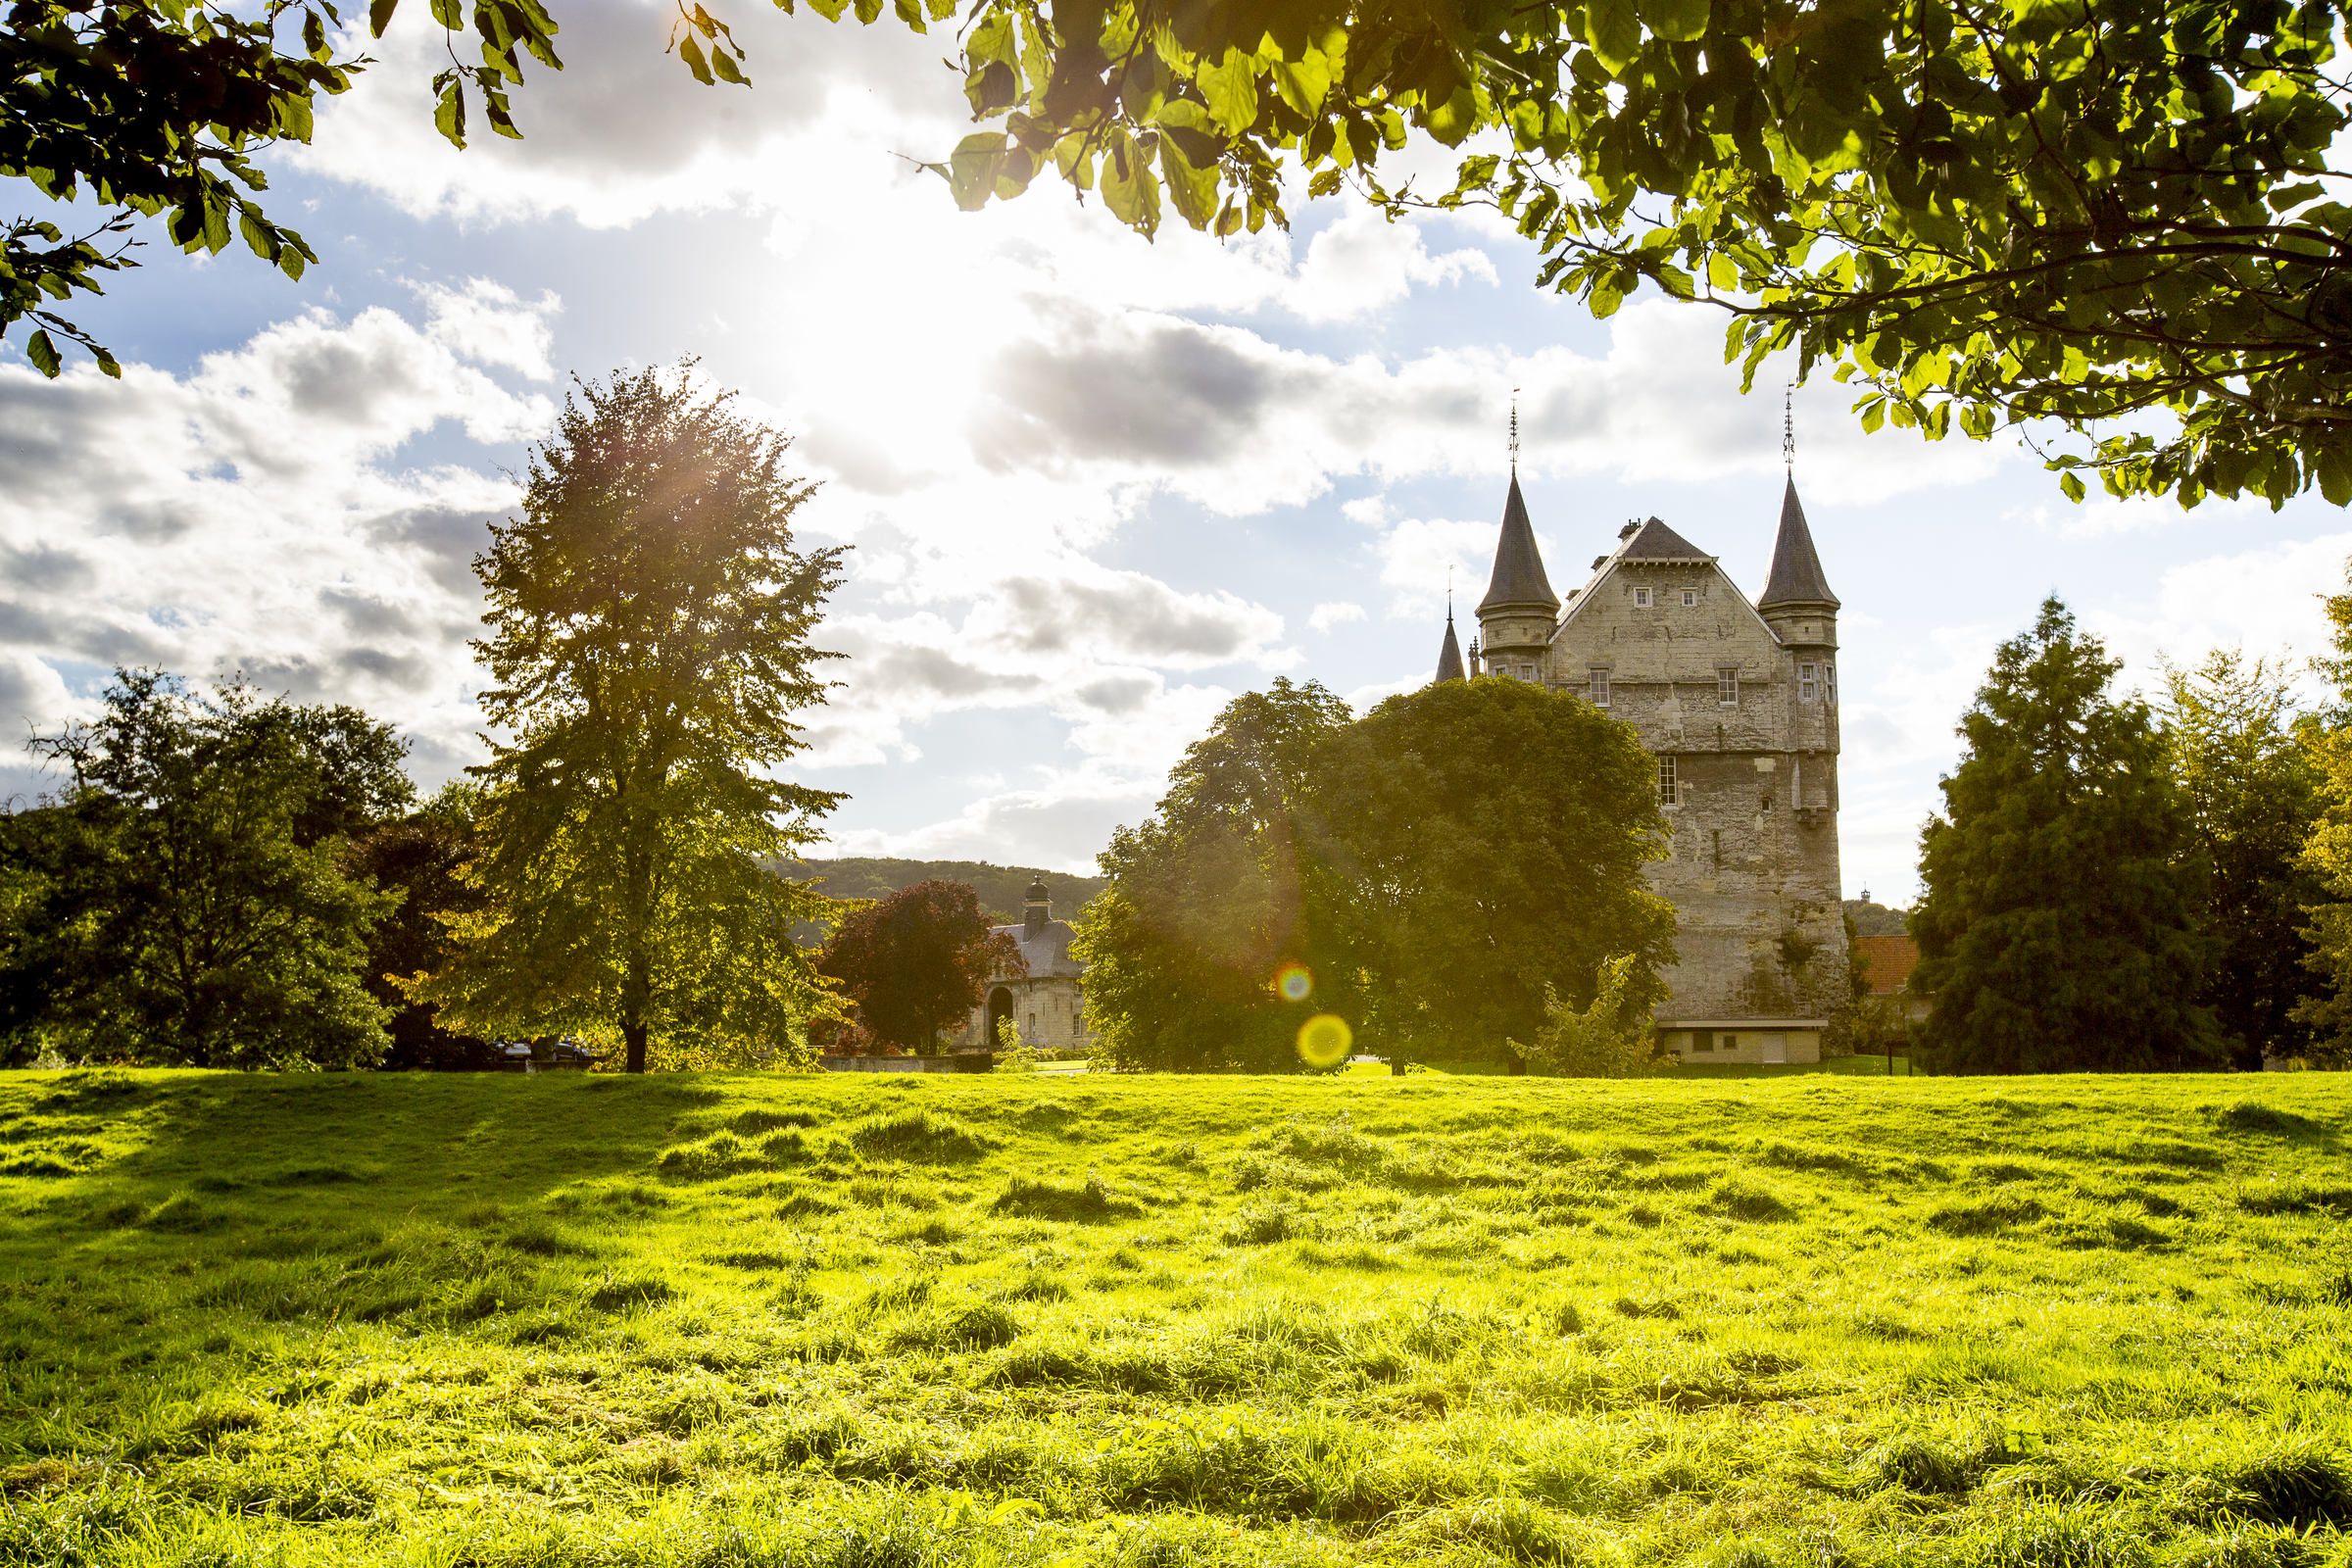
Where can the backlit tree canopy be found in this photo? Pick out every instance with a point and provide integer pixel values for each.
(2114, 218)
(1979, 214)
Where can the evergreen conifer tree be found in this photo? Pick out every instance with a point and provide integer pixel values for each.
(2059, 930)
(2245, 763)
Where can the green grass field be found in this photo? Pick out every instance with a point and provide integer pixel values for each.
(887, 1321)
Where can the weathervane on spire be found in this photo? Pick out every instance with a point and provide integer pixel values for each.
(1514, 432)
(1789, 428)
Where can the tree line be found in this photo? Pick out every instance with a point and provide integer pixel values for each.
(233, 881)
(2120, 884)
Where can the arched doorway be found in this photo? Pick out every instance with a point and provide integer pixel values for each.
(1000, 1006)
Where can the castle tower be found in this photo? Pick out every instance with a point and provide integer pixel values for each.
(1737, 703)
(1798, 607)
(1037, 913)
(1515, 620)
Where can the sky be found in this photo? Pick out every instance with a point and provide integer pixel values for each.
(1093, 487)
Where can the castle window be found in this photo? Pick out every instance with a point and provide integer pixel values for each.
(1704, 1040)
(1804, 683)
(1666, 784)
(1640, 599)
(1598, 689)
(1727, 686)
(1829, 684)
(1689, 598)
(1526, 673)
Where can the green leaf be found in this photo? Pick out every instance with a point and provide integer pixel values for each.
(692, 53)
(449, 115)
(1614, 30)
(2072, 485)
(258, 237)
(1130, 190)
(973, 166)
(1676, 21)
(379, 16)
(43, 354)
(1231, 89)
(1327, 182)
(724, 64)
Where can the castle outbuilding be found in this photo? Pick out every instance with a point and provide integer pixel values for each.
(1047, 1003)
(1739, 704)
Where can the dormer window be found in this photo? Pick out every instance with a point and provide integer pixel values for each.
(1640, 599)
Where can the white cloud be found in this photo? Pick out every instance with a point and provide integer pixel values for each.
(257, 516)
(1363, 261)
(1325, 616)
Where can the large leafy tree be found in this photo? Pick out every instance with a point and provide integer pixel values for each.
(187, 903)
(1482, 849)
(2074, 210)
(2251, 782)
(648, 618)
(1207, 904)
(2061, 930)
(917, 961)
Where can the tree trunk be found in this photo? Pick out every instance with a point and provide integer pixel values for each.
(634, 1034)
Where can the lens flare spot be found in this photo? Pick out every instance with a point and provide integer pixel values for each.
(1294, 981)
(1324, 1039)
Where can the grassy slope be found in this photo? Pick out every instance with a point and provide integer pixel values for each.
(894, 1321)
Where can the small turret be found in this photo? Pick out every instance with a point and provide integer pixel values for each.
(1037, 913)
(1515, 619)
(1796, 602)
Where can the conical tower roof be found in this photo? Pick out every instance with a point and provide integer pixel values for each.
(1796, 577)
(1449, 654)
(1518, 579)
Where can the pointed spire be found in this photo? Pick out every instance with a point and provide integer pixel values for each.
(1449, 653)
(1514, 432)
(1796, 577)
(1519, 579)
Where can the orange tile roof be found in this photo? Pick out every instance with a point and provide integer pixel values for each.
(1892, 961)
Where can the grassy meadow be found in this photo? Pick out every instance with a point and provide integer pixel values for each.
(889, 1321)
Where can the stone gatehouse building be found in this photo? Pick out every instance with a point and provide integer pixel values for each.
(1739, 704)
(1049, 1001)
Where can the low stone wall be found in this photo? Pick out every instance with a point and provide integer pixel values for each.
(968, 1061)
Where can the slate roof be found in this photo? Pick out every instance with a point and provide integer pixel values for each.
(1654, 541)
(1519, 578)
(1796, 577)
(1449, 654)
(1048, 953)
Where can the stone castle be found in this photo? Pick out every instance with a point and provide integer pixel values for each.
(1739, 704)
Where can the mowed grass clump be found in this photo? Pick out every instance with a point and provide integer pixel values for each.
(748, 1320)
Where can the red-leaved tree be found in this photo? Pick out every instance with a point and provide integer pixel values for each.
(917, 961)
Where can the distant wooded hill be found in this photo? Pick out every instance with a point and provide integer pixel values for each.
(1878, 921)
(1002, 889)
